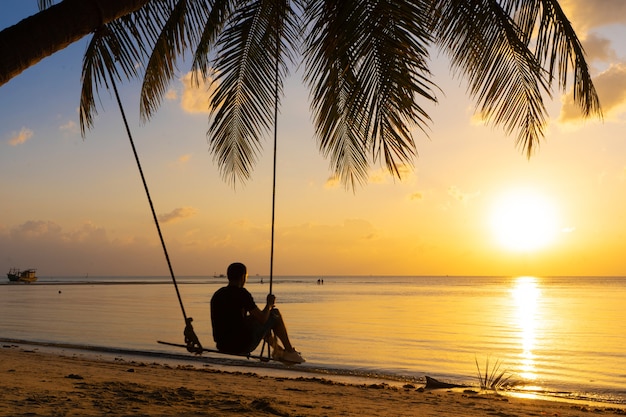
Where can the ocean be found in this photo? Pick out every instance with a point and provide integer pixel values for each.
(559, 337)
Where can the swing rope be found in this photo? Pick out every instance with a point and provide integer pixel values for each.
(274, 166)
(191, 339)
(265, 341)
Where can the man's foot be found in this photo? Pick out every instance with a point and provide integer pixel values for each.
(292, 356)
(277, 352)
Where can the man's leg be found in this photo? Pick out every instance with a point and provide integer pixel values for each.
(280, 330)
(289, 355)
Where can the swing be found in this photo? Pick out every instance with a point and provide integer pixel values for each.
(191, 340)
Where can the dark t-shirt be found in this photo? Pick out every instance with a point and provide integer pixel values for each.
(230, 306)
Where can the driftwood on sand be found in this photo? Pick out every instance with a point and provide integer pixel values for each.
(432, 383)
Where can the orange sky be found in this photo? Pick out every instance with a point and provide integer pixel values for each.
(73, 206)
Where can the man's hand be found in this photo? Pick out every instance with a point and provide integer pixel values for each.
(271, 299)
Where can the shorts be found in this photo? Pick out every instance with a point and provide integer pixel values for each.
(257, 331)
(248, 338)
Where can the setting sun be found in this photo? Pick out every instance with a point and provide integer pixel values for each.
(523, 221)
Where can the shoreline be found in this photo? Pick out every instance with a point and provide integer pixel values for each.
(70, 383)
(223, 362)
(236, 364)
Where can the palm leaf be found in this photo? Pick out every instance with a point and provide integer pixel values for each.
(494, 45)
(558, 44)
(111, 49)
(393, 75)
(366, 68)
(243, 100)
(220, 12)
(44, 4)
(366, 63)
(179, 32)
(331, 78)
(488, 48)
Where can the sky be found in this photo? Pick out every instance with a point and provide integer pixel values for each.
(71, 206)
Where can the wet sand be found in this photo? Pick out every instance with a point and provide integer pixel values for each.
(38, 383)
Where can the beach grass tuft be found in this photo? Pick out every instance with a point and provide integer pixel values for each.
(493, 379)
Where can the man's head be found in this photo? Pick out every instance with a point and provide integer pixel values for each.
(237, 273)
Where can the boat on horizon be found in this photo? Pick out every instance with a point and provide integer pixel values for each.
(27, 275)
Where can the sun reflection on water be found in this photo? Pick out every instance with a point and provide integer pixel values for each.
(526, 295)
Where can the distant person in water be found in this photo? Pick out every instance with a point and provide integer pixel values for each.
(239, 325)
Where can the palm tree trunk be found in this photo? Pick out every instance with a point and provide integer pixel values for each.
(34, 38)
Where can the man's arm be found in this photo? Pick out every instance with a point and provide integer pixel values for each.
(262, 315)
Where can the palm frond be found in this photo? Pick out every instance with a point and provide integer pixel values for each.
(393, 76)
(511, 51)
(111, 49)
(558, 44)
(178, 32)
(331, 78)
(487, 47)
(243, 100)
(219, 14)
(44, 4)
(366, 65)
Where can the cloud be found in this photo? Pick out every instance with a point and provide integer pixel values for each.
(416, 196)
(598, 48)
(178, 214)
(346, 235)
(21, 137)
(195, 97)
(611, 88)
(383, 175)
(181, 160)
(48, 231)
(171, 94)
(586, 15)
(479, 118)
(36, 228)
(332, 182)
(456, 193)
(378, 176)
(70, 127)
(87, 249)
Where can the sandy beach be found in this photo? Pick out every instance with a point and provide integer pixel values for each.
(38, 383)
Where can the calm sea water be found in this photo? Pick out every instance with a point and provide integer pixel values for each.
(562, 336)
